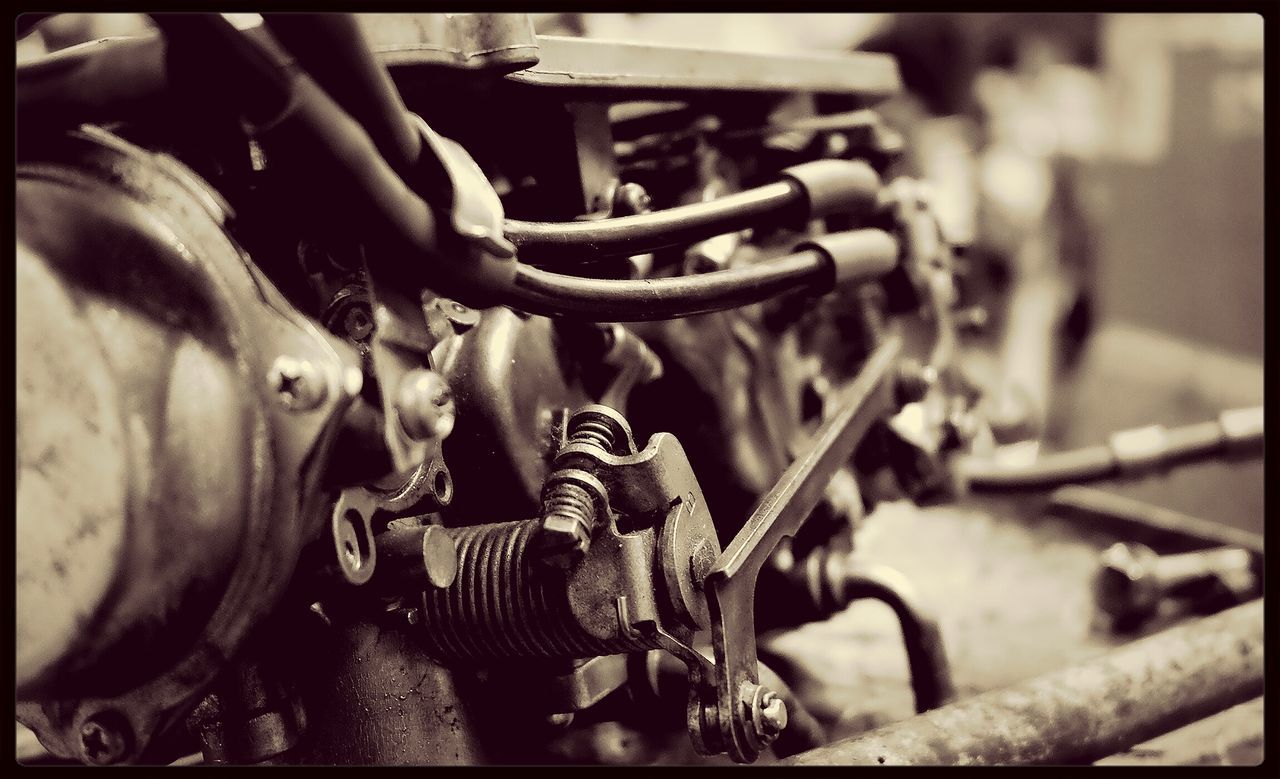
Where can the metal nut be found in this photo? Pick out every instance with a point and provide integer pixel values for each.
(425, 405)
(765, 710)
(773, 714)
(299, 384)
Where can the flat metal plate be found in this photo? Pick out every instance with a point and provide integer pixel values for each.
(599, 65)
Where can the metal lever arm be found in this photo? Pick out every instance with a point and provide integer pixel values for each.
(730, 587)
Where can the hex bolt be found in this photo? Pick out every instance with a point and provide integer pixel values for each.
(568, 517)
(773, 714)
(766, 711)
(1132, 579)
(104, 738)
(298, 384)
(425, 405)
(568, 508)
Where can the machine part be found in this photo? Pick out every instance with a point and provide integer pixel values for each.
(1162, 529)
(658, 680)
(808, 191)
(1082, 713)
(250, 717)
(164, 343)
(527, 612)
(850, 258)
(510, 382)
(414, 558)
(504, 603)
(572, 498)
(589, 682)
(332, 48)
(349, 313)
(635, 361)
(1133, 579)
(299, 384)
(385, 702)
(640, 71)
(487, 42)
(1236, 433)
(826, 582)
(424, 405)
(352, 529)
(429, 487)
(325, 156)
(730, 587)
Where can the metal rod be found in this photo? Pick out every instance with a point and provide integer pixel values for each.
(1084, 712)
(1162, 529)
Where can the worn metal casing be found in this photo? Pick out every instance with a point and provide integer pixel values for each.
(161, 481)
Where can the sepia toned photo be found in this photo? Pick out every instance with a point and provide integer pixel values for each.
(856, 388)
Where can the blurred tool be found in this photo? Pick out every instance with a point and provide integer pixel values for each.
(1133, 580)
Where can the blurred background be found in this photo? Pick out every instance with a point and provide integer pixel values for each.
(1107, 170)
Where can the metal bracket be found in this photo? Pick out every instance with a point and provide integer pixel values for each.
(730, 586)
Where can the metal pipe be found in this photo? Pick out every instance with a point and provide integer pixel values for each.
(838, 258)
(1084, 712)
(1238, 432)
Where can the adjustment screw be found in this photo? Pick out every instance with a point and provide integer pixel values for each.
(298, 383)
(104, 738)
(425, 405)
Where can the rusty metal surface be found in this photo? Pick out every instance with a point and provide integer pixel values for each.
(1084, 712)
(596, 66)
(385, 702)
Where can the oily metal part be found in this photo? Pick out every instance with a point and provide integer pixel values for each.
(1082, 713)
(730, 586)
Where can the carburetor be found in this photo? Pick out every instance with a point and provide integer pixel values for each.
(353, 425)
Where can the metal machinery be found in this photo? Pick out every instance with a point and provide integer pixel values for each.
(414, 389)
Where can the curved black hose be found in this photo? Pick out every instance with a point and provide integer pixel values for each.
(626, 235)
(611, 300)
(333, 50)
(926, 654)
(817, 266)
(827, 582)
